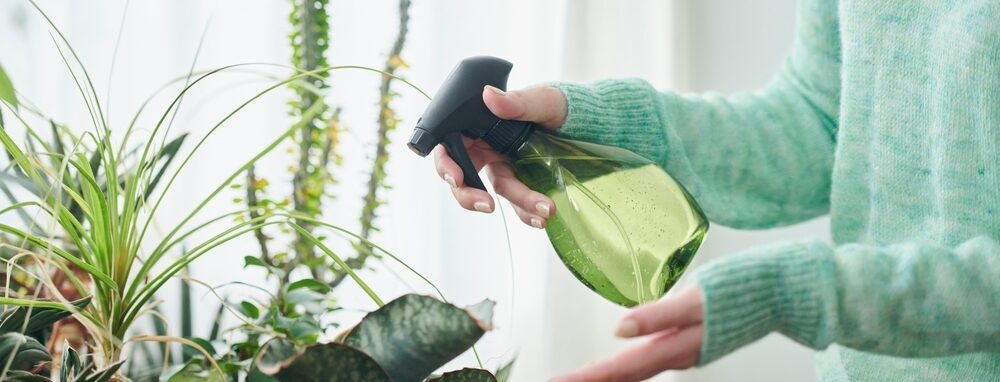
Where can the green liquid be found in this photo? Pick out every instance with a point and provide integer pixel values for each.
(622, 226)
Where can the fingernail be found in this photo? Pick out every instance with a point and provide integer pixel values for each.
(627, 328)
(496, 90)
(451, 180)
(482, 207)
(543, 209)
(536, 222)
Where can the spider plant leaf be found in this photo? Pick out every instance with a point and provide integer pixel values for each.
(21, 351)
(22, 181)
(38, 318)
(217, 322)
(465, 375)
(414, 335)
(102, 375)
(321, 362)
(166, 156)
(7, 93)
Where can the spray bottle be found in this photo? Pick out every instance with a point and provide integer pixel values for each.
(623, 226)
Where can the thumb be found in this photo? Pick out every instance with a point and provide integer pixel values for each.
(544, 105)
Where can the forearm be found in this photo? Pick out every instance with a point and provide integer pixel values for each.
(908, 300)
(751, 160)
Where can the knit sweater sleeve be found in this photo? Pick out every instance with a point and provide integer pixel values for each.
(752, 160)
(908, 300)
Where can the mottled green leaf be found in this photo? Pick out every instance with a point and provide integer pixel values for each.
(320, 363)
(22, 376)
(21, 351)
(7, 89)
(273, 354)
(412, 336)
(466, 375)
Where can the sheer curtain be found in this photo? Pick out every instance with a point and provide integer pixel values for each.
(544, 316)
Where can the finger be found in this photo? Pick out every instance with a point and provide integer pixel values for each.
(679, 310)
(446, 167)
(545, 105)
(472, 199)
(666, 351)
(529, 218)
(506, 184)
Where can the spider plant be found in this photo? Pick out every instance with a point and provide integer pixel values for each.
(109, 237)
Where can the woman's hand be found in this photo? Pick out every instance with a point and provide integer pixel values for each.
(543, 105)
(674, 325)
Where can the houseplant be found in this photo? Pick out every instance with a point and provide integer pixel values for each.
(92, 201)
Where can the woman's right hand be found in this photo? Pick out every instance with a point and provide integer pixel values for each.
(545, 106)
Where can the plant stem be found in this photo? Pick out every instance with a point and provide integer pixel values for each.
(387, 122)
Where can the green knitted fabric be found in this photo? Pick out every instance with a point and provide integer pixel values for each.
(885, 115)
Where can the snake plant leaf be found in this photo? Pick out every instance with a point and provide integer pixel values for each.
(71, 365)
(21, 351)
(465, 375)
(7, 93)
(322, 362)
(413, 335)
(103, 375)
(38, 319)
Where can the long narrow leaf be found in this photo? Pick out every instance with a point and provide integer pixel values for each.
(7, 93)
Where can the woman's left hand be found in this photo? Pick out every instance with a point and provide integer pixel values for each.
(675, 328)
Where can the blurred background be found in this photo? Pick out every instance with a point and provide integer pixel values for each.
(544, 316)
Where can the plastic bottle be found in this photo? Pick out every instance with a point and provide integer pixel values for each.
(623, 226)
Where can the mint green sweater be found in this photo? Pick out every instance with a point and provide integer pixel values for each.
(885, 115)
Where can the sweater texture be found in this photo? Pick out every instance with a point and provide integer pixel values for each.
(886, 116)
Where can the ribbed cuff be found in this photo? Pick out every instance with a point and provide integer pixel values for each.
(772, 288)
(622, 113)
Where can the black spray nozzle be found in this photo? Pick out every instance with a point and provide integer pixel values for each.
(458, 109)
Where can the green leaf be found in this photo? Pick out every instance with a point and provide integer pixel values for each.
(414, 335)
(250, 309)
(22, 376)
(191, 352)
(38, 318)
(195, 371)
(253, 260)
(7, 93)
(313, 284)
(71, 365)
(311, 301)
(466, 375)
(21, 351)
(327, 362)
(102, 375)
(503, 373)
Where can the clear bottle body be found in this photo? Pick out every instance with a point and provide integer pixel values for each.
(623, 226)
